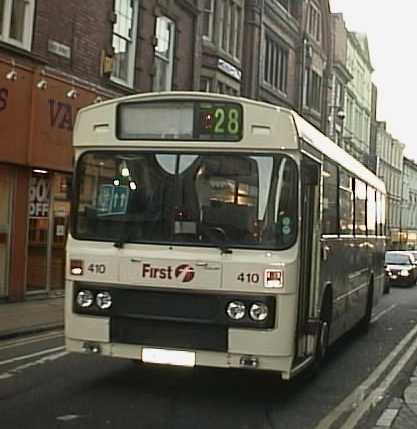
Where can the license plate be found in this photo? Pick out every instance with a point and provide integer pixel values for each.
(168, 357)
(394, 277)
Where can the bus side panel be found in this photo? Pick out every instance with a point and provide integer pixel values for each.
(333, 271)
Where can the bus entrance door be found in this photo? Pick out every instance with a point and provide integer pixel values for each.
(309, 256)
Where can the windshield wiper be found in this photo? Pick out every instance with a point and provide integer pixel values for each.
(213, 233)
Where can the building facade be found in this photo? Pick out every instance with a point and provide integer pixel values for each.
(408, 220)
(286, 58)
(358, 98)
(221, 51)
(389, 169)
(55, 58)
(339, 79)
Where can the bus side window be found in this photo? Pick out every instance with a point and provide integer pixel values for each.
(345, 203)
(330, 215)
(371, 211)
(360, 207)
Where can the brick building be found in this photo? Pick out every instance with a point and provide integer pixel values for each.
(287, 55)
(56, 57)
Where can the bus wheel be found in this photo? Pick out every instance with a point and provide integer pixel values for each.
(365, 322)
(323, 335)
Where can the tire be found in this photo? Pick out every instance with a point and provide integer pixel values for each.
(323, 336)
(322, 342)
(365, 322)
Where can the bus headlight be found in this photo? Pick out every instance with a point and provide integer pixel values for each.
(258, 311)
(236, 310)
(85, 298)
(103, 300)
(404, 273)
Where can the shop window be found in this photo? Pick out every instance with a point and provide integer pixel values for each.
(124, 36)
(16, 22)
(164, 54)
(5, 208)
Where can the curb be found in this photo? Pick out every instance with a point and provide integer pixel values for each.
(6, 335)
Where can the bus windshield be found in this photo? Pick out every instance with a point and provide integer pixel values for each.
(224, 199)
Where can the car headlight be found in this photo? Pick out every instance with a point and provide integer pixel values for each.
(236, 310)
(404, 273)
(103, 300)
(258, 311)
(85, 298)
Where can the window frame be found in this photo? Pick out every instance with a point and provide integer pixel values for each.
(334, 166)
(131, 40)
(167, 61)
(209, 15)
(275, 64)
(28, 23)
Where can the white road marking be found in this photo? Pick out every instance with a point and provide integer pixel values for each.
(387, 417)
(358, 395)
(25, 357)
(383, 312)
(30, 340)
(12, 372)
(378, 393)
(68, 417)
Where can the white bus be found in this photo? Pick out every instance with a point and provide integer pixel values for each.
(217, 231)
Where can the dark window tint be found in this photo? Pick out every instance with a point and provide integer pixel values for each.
(330, 217)
(360, 207)
(345, 203)
(371, 211)
(380, 213)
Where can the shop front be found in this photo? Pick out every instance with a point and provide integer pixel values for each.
(6, 192)
(37, 114)
(48, 217)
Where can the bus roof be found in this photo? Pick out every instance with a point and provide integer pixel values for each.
(95, 122)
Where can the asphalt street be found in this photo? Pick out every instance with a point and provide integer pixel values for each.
(42, 386)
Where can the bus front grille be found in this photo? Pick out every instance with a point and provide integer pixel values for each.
(168, 334)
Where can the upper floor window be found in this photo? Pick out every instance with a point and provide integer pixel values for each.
(230, 26)
(275, 65)
(208, 19)
(314, 22)
(16, 22)
(164, 54)
(313, 89)
(124, 37)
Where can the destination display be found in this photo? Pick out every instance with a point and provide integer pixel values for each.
(180, 120)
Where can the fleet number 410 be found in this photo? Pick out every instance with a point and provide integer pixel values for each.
(248, 277)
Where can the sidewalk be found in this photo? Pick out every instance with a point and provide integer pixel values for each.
(31, 316)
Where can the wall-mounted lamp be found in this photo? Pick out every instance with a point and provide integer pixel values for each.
(39, 171)
(98, 99)
(11, 75)
(42, 84)
(72, 93)
(341, 114)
